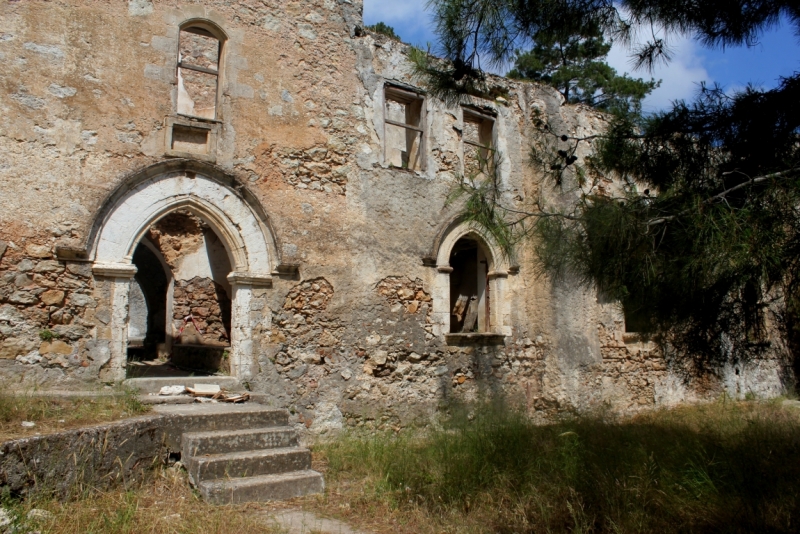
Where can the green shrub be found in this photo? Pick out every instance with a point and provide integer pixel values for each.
(47, 335)
(384, 29)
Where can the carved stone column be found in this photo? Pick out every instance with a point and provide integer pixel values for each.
(243, 357)
(441, 301)
(118, 275)
(501, 313)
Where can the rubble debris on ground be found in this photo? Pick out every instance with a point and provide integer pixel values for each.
(203, 393)
(172, 390)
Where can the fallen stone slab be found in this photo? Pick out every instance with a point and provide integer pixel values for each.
(153, 385)
(204, 390)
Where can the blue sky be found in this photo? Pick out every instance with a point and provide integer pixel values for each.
(778, 53)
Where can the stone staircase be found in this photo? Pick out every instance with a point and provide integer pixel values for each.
(241, 453)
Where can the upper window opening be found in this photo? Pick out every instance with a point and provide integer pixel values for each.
(638, 318)
(198, 73)
(478, 143)
(404, 128)
(469, 288)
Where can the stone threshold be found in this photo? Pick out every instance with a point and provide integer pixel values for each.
(471, 338)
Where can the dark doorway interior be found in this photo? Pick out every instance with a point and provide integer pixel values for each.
(150, 316)
(463, 283)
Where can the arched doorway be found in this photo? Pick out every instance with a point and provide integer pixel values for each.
(180, 298)
(235, 251)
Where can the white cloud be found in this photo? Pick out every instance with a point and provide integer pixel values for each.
(680, 78)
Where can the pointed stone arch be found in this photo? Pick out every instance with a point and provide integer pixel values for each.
(217, 196)
(221, 202)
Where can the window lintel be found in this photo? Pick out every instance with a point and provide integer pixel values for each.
(478, 114)
(402, 94)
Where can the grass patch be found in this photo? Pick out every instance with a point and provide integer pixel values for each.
(164, 503)
(722, 467)
(54, 414)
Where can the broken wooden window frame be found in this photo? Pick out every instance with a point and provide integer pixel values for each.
(206, 29)
(486, 144)
(472, 310)
(407, 97)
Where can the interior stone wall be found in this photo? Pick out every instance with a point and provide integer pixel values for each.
(201, 309)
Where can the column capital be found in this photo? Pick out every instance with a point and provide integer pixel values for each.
(114, 270)
(250, 279)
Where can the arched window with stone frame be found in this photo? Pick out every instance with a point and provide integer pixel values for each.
(199, 64)
(470, 290)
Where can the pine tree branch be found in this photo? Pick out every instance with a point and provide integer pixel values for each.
(723, 194)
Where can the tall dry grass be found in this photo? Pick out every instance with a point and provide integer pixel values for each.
(53, 414)
(722, 467)
(162, 504)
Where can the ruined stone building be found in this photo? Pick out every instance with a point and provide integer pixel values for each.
(260, 188)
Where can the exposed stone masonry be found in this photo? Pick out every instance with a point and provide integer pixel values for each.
(632, 368)
(322, 168)
(303, 330)
(210, 308)
(409, 294)
(48, 313)
(176, 235)
(49, 294)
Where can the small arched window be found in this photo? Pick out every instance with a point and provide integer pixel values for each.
(469, 291)
(199, 56)
(469, 288)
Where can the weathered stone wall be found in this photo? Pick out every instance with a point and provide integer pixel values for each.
(352, 326)
(47, 320)
(66, 464)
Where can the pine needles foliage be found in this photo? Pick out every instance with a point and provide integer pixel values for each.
(479, 194)
(574, 63)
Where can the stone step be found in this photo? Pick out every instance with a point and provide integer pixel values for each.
(214, 417)
(261, 488)
(247, 463)
(166, 399)
(148, 385)
(219, 442)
